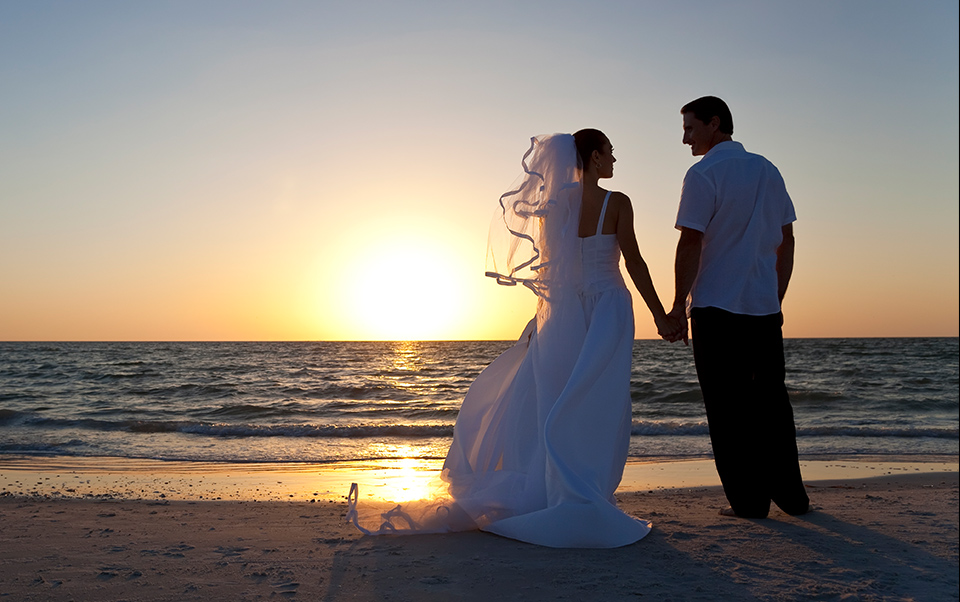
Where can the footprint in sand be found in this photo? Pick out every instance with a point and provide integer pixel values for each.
(286, 588)
(177, 551)
(230, 551)
(683, 535)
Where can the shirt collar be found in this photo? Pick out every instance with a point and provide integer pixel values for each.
(726, 145)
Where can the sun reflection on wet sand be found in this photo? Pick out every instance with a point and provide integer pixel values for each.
(401, 476)
(405, 480)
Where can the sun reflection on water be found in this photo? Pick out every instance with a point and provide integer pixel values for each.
(404, 364)
(406, 356)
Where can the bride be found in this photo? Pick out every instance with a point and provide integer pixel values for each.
(542, 435)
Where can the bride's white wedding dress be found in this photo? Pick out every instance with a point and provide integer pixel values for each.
(542, 435)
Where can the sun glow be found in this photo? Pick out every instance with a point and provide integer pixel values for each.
(403, 287)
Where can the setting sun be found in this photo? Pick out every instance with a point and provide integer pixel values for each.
(406, 286)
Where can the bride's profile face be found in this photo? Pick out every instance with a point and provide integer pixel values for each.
(604, 160)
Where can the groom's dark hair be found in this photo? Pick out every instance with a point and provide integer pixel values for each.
(708, 107)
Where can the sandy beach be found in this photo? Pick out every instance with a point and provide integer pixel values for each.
(893, 536)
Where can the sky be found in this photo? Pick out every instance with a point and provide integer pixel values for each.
(328, 170)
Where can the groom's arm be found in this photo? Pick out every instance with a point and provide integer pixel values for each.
(686, 266)
(785, 261)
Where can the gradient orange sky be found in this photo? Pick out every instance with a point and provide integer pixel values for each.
(302, 171)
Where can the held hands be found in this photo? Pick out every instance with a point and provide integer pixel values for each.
(673, 327)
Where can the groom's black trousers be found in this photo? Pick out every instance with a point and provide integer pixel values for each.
(740, 365)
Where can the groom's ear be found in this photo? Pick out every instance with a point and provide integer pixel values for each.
(715, 122)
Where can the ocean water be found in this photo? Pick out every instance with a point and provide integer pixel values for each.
(336, 401)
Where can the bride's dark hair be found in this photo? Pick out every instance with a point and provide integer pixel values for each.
(587, 141)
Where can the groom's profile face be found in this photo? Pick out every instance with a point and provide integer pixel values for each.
(697, 134)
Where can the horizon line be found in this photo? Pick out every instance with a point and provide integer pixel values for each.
(2, 341)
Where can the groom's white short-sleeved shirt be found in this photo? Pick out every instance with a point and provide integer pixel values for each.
(740, 203)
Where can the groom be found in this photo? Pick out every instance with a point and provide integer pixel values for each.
(735, 258)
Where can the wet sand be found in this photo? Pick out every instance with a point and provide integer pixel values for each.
(399, 480)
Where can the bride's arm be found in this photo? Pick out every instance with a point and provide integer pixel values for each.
(636, 266)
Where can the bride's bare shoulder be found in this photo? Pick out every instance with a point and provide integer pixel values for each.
(619, 201)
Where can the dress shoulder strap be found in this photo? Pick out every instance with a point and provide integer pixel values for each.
(603, 213)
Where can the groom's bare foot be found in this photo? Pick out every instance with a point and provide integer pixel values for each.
(728, 511)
